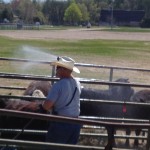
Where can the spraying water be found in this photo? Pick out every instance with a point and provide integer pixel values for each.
(33, 54)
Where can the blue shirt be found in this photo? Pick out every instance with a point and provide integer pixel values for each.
(61, 94)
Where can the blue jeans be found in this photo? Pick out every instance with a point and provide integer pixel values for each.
(63, 133)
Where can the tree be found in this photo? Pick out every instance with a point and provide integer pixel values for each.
(7, 15)
(72, 11)
(93, 9)
(28, 10)
(146, 6)
(5, 12)
(23, 9)
(73, 14)
(85, 14)
(1, 9)
(38, 15)
(54, 11)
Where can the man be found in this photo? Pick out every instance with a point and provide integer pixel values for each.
(64, 100)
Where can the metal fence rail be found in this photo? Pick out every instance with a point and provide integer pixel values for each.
(118, 125)
(12, 26)
(73, 120)
(78, 64)
(87, 100)
(95, 135)
(111, 68)
(87, 81)
(44, 145)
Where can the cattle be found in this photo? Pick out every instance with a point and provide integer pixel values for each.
(38, 93)
(17, 104)
(7, 122)
(115, 92)
(43, 86)
(141, 96)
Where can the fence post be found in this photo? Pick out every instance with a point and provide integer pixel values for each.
(148, 140)
(111, 76)
(53, 73)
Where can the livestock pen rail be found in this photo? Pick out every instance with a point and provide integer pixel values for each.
(111, 68)
(29, 77)
(67, 119)
(111, 121)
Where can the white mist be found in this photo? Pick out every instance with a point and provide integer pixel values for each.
(33, 54)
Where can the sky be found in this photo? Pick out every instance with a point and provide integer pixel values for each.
(7, 1)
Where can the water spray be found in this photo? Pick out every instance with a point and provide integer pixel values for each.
(33, 54)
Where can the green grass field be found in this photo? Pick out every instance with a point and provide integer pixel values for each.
(101, 48)
(127, 29)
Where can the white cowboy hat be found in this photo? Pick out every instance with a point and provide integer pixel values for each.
(66, 62)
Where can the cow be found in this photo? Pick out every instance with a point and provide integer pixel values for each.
(43, 86)
(7, 122)
(20, 105)
(116, 92)
(141, 96)
(113, 93)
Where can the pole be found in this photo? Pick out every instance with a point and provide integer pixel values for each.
(112, 14)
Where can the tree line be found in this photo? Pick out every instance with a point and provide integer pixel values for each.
(65, 12)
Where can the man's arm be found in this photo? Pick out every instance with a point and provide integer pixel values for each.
(47, 105)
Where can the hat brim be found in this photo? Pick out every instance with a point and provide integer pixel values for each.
(57, 63)
(75, 69)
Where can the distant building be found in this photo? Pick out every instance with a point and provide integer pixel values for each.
(122, 17)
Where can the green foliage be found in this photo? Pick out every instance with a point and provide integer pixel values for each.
(84, 11)
(53, 11)
(7, 14)
(73, 14)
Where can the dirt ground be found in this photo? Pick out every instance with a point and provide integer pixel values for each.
(74, 34)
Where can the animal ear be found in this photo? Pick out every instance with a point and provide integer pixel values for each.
(127, 79)
(142, 100)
